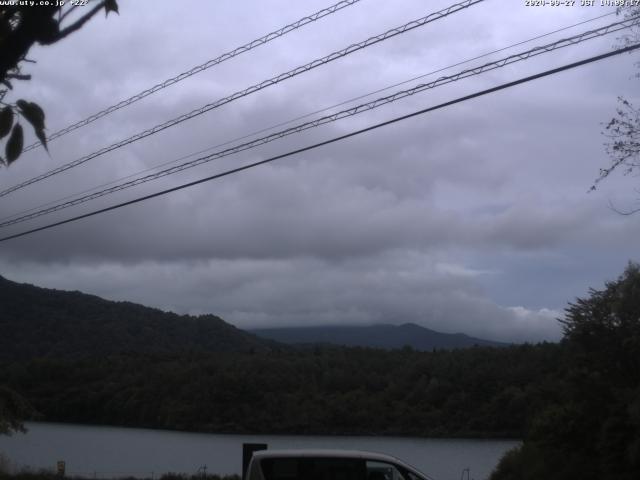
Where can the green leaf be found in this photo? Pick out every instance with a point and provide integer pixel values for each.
(110, 6)
(13, 149)
(6, 121)
(33, 113)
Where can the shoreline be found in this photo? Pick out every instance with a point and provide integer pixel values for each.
(278, 434)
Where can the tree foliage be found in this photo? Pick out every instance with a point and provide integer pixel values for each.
(13, 409)
(22, 26)
(623, 130)
(623, 144)
(475, 392)
(592, 430)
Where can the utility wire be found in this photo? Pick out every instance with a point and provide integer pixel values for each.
(301, 117)
(254, 88)
(614, 27)
(200, 68)
(306, 115)
(332, 140)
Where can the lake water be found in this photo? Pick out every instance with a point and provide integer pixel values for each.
(112, 452)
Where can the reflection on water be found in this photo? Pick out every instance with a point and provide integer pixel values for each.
(112, 452)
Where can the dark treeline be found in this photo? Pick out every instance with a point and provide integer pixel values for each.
(590, 428)
(477, 392)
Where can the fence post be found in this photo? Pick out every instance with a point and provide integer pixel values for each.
(61, 467)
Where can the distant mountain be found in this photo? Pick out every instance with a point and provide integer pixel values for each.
(376, 336)
(41, 322)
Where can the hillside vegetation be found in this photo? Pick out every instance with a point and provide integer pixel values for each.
(39, 322)
(479, 392)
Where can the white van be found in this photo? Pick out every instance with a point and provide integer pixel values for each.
(328, 465)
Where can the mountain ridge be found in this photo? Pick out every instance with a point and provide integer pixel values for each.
(42, 322)
(39, 322)
(387, 336)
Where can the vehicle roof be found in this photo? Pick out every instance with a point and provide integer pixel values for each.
(328, 453)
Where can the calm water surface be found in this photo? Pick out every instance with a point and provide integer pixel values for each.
(111, 452)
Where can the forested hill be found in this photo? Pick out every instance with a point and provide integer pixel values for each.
(41, 322)
(472, 392)
(375, 336)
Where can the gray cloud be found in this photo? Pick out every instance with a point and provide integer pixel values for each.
(473, 218)
(395, 287)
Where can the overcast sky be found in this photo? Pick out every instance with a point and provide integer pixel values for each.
(474, 218)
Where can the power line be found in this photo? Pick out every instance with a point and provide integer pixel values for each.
(345, 102)
(404, 82)
(330, 141)
(614, 27)
(262, 130)
(200, 68)
(254, 88)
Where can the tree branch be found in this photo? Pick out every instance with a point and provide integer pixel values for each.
(18, 76)
(62, 17)
(78, 23)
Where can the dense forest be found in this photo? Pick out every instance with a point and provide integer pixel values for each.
(477, 392)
